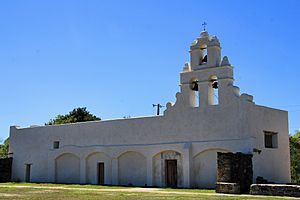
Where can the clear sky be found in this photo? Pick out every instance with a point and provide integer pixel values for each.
(117, 58)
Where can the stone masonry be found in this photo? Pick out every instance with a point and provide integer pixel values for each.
(275, 190)
(234, 172)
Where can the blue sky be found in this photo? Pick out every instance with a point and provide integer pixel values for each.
(117, 58)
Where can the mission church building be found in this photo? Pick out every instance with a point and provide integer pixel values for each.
(176, 149)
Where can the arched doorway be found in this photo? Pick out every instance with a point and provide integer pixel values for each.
(167, 169)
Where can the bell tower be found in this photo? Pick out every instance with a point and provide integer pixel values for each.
(207, 80)
(205, 52)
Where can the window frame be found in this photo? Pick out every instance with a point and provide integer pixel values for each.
(56, 144)
(270, 140)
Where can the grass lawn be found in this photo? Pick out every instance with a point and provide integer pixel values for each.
(33, 191)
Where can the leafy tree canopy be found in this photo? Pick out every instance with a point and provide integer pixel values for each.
(76, 115)
(295, 157)
(4, 149)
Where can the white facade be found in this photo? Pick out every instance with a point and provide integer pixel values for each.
(137, 151)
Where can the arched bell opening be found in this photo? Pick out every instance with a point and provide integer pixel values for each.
(213, 90)
(194, 86)
(203, 54)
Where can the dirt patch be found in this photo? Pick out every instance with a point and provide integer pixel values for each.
(9, 195)
(44, 191)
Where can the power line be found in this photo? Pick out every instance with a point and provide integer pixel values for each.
(288, 106)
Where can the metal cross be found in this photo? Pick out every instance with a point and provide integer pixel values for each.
(204, 24)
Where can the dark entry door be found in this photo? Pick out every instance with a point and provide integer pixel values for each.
(27, 174)
(100, 173)
(171, 173)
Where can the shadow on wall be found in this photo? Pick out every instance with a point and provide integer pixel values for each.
(205, 168)
(5, 169)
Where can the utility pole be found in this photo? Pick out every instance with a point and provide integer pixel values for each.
(158, 107)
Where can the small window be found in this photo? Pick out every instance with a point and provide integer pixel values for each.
(271, 139)
(56, 145)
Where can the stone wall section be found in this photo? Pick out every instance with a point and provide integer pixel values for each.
(5, 169)
(229, 188)
(275, 190)
(234, 168)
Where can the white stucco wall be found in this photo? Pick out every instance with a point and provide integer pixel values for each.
(92, 161)
(159, 161)
(191, 128)
(132, 169)
(67, 169)
(205, 168)
(276, 167)
(133, 150)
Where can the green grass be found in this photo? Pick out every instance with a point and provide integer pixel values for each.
(34, 191)
(61, 185)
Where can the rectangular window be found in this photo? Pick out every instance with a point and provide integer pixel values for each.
(56, 145)
(271, 139)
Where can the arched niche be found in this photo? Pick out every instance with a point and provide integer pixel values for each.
(203, 54)
(67, 168)
(160, 168)
(204, 168)
(93, 162)
(132, 169)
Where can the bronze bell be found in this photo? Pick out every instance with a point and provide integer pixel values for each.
(204, 60)
(215, 85)
(194, 86)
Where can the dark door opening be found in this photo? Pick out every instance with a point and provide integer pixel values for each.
(100, 170)
(171, 173)
(27, 173)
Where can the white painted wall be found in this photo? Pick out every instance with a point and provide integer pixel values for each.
(92, 161)
(130, 148)
(132, 169)
(205, 168)
(67, 169)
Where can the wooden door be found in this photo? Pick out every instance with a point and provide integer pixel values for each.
(171, 173)
(27, 173)
(100, 173)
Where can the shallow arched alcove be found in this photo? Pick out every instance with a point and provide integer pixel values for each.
(161, 175)
(67, 168)
(98, 168)
(132, 169)
(204, 170)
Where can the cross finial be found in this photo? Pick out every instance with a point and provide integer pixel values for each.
(204, 26)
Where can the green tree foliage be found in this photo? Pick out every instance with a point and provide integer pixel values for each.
(295, 157)
(4, 149)
(76, 115)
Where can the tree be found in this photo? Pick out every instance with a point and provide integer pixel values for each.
(76, 115)
(295, 157)
(4, 149)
